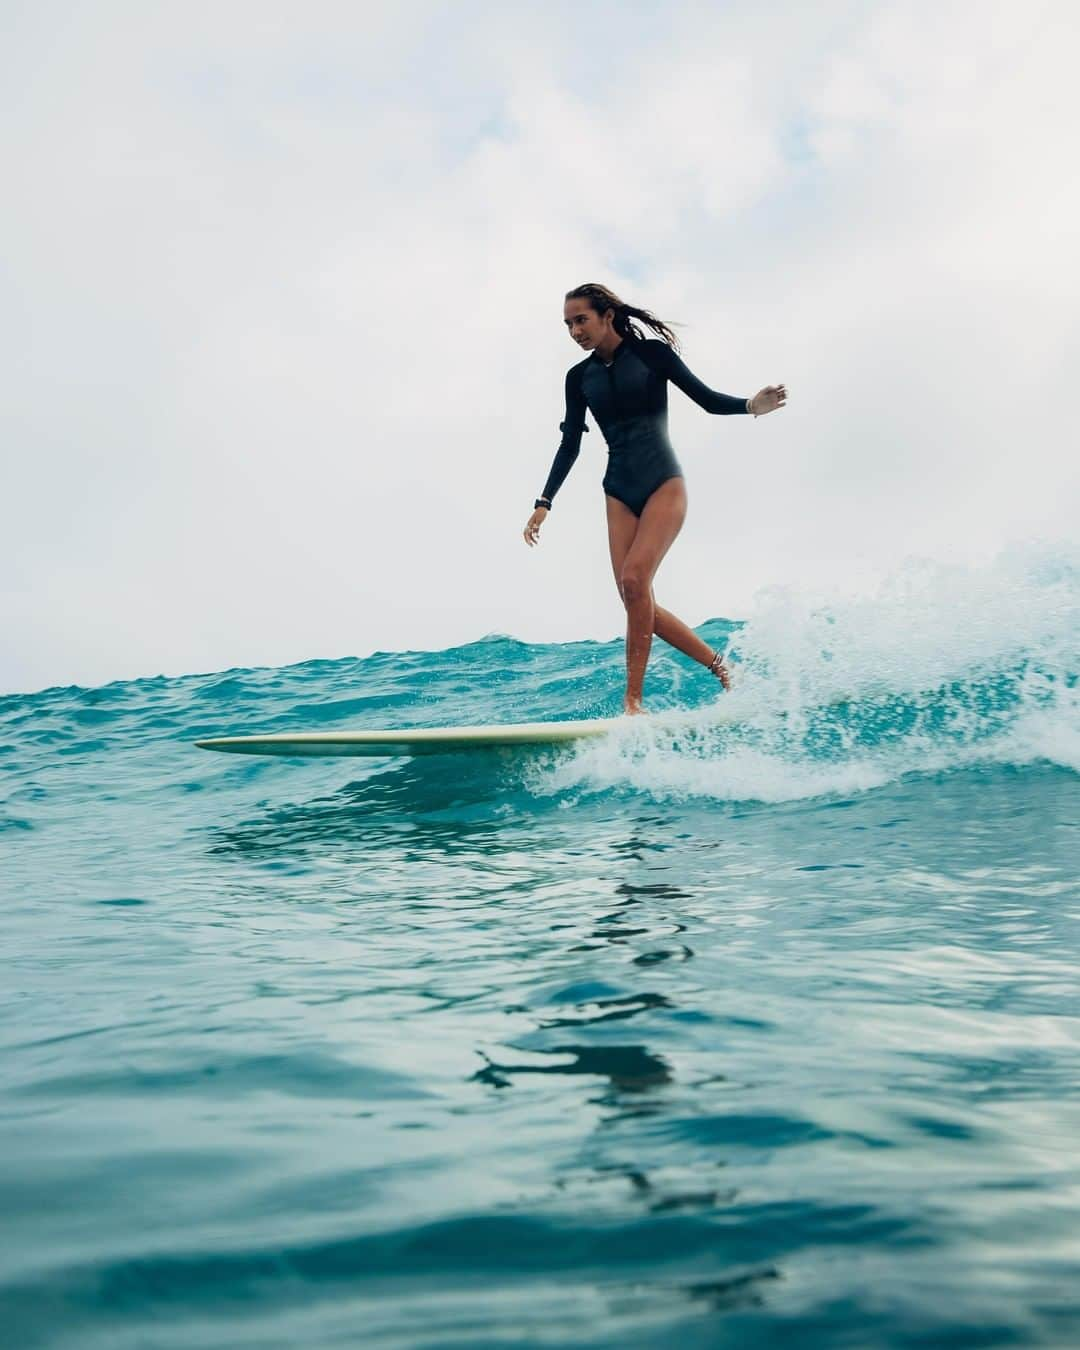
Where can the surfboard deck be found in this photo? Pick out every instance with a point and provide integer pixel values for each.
(413, 740)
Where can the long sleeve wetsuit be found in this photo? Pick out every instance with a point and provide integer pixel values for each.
(628, 399)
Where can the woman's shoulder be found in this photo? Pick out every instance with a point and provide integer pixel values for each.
(655, 352)
(577, 369)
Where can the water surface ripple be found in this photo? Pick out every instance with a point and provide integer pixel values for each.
(713, 1038)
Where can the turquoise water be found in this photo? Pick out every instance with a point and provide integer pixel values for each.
(706, 1036)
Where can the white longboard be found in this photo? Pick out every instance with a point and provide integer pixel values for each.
(413, 740)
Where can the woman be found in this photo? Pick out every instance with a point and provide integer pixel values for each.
(623, 383)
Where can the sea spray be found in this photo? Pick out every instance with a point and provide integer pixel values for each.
(942, 667)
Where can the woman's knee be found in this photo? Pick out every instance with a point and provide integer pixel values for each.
(635, 584)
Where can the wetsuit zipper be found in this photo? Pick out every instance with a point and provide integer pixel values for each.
(612, 390)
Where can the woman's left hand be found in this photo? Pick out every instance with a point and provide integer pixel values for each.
(765, 400)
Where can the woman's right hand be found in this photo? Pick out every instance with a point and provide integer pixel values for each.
(532, 529)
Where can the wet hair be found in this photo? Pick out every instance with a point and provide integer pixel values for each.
(601, 299)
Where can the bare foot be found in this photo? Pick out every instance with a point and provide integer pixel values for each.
(632, 707)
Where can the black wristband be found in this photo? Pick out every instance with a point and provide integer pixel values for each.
(541, 501)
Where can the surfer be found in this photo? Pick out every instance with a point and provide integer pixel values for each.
(623, 383)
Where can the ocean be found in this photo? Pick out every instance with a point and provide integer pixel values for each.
(705, 1034)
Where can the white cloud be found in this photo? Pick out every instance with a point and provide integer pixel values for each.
(282, 289)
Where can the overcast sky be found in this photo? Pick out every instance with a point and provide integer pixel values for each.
(281, 296)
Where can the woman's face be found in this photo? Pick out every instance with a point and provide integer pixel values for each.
(585, 326)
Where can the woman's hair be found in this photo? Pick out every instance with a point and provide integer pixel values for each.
(601, 299)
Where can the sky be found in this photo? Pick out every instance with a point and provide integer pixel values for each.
(281, 295)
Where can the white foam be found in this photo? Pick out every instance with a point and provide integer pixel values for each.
(944, 667)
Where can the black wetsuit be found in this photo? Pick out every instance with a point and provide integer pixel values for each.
(628, 399)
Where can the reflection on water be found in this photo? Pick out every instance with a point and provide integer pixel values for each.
(628, 1068)
(676, 1134)
(610, 1009)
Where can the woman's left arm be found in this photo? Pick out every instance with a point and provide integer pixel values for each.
(679, 373)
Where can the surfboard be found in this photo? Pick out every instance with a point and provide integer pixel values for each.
(413, 740)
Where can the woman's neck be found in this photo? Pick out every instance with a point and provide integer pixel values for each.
(606, 352)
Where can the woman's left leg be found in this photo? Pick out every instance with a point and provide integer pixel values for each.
(681, 636)
(660, 522)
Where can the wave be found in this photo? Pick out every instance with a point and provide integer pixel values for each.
(941, 669)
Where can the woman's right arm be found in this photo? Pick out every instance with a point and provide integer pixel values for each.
(572, 425)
